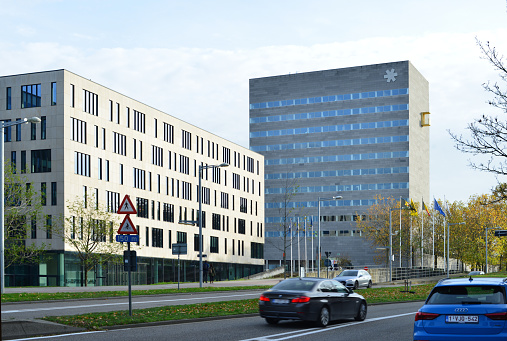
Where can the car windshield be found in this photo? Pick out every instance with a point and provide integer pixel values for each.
(348, 273)
(297, 285)
(473, 294)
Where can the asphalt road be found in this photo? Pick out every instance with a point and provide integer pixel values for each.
(384, 323)
(31, 310)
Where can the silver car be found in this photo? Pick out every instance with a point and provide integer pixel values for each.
(355, 279)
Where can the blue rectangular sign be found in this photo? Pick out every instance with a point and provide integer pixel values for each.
(127, 238)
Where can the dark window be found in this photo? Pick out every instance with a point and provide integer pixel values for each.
(18, 130)
(213, 247)
(49, 227)
(241, 226)
(215, 221)
(196, 242)
(72, 95)
(41, 161)
(33, 131)
(7, 132)
(43, 193)
(33, 227)
(8, 105)
(23, 161)
(181, 237)
(43, 127)
(257, 250)
(157, 237)
(30, 96)
(53, 93)
(142, 207)
(13, 161)
(53, 193)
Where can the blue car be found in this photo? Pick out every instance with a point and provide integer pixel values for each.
(464, 309)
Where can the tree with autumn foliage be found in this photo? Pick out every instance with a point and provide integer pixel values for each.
(89, 229)
(471, 237)
(376, 228)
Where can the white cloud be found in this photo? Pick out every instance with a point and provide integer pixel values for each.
(209, 87)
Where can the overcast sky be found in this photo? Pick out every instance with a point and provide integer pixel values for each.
(193, 59)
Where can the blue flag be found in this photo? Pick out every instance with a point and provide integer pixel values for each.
(438, 208)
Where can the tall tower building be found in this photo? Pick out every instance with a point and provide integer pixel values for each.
(355, 132)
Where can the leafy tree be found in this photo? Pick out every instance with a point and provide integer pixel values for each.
(89, 228)
(22, 209)
(376, 227)
(488, 134)
(286, 210)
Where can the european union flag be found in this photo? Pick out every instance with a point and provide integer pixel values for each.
(438, 208)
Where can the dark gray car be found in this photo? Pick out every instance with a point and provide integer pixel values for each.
(311, 299)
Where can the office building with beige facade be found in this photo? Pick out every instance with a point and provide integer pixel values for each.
(95, 141)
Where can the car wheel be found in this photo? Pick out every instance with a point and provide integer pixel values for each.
(369, 284)
(323, 319)
(356, 285)
(361, 312)
(272, 320)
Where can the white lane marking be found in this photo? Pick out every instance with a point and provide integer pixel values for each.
(286, 336)
(120, 303)
(61, 335)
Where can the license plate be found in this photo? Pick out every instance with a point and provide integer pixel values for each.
(462, 319)
(279, 301)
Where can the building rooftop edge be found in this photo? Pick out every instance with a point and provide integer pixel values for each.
(343, 68)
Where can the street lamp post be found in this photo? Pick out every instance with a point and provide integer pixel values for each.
(391, 255)
(318, 246)
(448, 233)
(2, 194)
(488, 228)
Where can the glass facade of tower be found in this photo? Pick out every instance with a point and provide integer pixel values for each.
(352, 132)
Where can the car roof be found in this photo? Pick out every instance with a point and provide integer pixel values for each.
(313, 279)
(472, 281)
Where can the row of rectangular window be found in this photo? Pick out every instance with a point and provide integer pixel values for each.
(31, 98)
(48, 227)
(33, 130)
(157, 240)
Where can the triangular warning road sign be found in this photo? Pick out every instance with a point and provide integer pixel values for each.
(127, 227)
(126, 206)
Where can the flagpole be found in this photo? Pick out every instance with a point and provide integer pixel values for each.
(313, 255)
(411, 252)
(422, 235)
(299, 256)
(291, 238)
(306, 254)
(400, 231)
(433, 239)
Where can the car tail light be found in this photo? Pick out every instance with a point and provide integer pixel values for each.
(264, 298)
(425, 316)
(301, 299)
(497, 316)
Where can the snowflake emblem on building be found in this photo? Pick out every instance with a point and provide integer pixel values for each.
(390, 75)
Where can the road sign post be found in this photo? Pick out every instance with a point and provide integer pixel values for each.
(179, 249)
(127, 228)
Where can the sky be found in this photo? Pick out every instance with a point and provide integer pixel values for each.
(193, 59)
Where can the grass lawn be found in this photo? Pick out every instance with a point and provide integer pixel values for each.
(96, 321)
(99, 294)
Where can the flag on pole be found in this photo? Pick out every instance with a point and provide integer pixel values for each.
(413, 210)
(438, 208)
(426, 208)
(409, 206)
